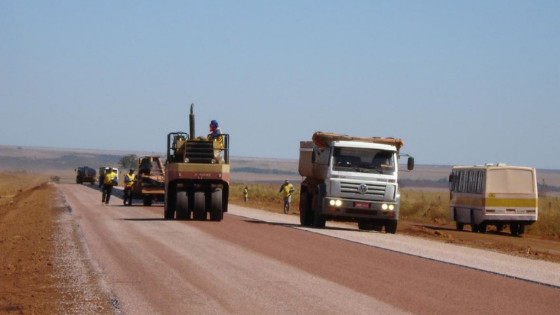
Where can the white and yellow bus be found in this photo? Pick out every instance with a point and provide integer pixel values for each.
(497, 195)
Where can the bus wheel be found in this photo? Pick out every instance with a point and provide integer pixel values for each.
(521, 229)
(482, 228)
(460, 226)
(474, 227)
(514, 229)
(499, 227)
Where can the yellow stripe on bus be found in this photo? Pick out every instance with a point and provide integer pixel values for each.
(511, 202)
(496, 202)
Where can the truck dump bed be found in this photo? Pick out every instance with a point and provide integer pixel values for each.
(321, 139)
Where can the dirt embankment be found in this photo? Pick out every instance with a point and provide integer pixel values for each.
(41, 265)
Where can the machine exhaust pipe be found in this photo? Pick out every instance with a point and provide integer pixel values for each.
(191, 123)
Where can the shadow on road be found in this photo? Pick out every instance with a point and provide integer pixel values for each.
(299, 226)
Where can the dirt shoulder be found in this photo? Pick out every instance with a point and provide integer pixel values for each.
(42, 265)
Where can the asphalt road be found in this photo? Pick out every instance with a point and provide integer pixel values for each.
(255, 262)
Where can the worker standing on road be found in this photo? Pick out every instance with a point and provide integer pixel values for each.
(128, 183)
(287, 189)
(109, 181)
(246, 194)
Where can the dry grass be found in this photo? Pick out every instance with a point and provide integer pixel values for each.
(416, 205)
(433, 207)
(263, 196)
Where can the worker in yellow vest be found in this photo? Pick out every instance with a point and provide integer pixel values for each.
(108, 183)
(128, 183)
(246, 194)
(287, 189)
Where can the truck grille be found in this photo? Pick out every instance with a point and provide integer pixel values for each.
(374, 191)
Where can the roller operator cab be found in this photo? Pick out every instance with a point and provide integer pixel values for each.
(197, 176)
(350, 179)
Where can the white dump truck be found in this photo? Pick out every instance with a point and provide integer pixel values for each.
(350, 179)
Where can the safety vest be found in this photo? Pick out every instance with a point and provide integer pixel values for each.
(129, 180)
(110, 179)
(217, 136)
(287, 189)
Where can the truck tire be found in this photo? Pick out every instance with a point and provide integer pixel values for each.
(170, 203)
(318, 220)
(147, 200)
(305, 213)
(365, 224)
(182, 206)
(199, 211)
(391, 227)
(216, 213)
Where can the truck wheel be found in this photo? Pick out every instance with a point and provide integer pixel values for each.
(147, 200)
(199, 211)
(459, 226)
(216, 213)
(366, 224)
(305, 213)
(391, 227)
(318, 220)
(182, 207)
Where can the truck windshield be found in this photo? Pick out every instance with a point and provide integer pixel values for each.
(363, 160)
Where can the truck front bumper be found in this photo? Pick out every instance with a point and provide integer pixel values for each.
(337, 207)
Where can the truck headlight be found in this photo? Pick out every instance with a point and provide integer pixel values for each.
(387, 207)
(335, 203)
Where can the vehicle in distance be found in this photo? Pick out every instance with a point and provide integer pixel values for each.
(85, 174)
(493, 194)
(150, 181)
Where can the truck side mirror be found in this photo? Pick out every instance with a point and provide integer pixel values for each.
(410, 163)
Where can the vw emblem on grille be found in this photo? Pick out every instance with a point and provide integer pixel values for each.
(362, 189)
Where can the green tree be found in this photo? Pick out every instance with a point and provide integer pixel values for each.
(128, 161)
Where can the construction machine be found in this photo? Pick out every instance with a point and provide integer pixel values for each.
(197, 175)
(150, 183)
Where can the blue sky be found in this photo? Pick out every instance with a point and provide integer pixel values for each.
(461, 82)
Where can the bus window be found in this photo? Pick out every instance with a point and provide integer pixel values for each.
(479, 181)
